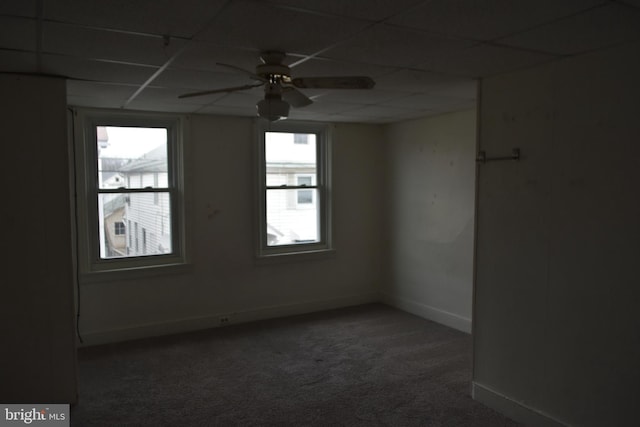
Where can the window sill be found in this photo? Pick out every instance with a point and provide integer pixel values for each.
(285, 257)
(132, 273)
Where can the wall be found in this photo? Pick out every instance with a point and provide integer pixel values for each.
(431, 201)
(37, 351)
(556, 316)
(224, 279)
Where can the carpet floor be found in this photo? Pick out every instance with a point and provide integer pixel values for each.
(369, 365)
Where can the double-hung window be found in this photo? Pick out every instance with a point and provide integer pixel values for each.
(129, 171)
(294, 188)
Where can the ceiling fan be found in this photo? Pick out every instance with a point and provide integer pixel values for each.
(281, 90)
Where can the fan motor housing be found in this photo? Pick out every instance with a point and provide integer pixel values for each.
(274, 71)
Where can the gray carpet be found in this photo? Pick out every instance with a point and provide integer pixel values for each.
(370, 365)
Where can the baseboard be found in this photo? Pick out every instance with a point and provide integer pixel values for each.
(435, 314)
(517, 411)
(216, 320)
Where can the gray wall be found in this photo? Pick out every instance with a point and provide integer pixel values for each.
(224, 278)
(556, 319)
(37, 350)
(431, 195)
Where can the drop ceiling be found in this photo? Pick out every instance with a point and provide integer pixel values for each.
(425, 55)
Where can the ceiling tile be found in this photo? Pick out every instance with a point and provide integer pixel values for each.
(27, 8)
(487, 19)
(346, 118)
(101, 71)
(466, 89)
(92, 101)
(110, 95)
(428, 102)
(247, 111)
(206, 56)
(166, 96)
(326, 106)
(381, 112)
(116, 46)
(12, 61)
(303, 114)
(333, 67)
(392, 46)
(18, 33)
(373, 10)
(415, 81)
(198, 80)
(308, 116)
(109, 90)
(182, 19)
(97, 94)
(634, 3)
(596, 28)
(143, 105)
(484, 60)
(353, 96)
(241, 100)
(260, 26)
(419, 115)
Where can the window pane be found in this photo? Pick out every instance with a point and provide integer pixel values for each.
(285, 159)
(300, 138)
(132, 157)
(148, 230)
(305, 180)
(305, 197)
(119, 228)
(287, 222)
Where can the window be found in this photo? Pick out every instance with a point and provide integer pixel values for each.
(305, 197)
(119, 228)
(129, 170)
(300, 138)
(293, 186)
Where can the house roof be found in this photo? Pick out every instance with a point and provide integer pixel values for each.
(152, 161)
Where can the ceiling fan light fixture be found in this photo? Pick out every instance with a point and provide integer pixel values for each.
(273, 108)
(280, 89)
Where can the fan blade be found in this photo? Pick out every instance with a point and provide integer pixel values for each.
(345, 82)
(294, 97)
(228, 89)
(242, 70)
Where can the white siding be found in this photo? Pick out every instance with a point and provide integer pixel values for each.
(152, 213)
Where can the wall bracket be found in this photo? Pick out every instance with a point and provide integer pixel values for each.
(482, 156)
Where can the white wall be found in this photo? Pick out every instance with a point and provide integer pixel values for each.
(224, 278)
(431, 194)
(37, 348)
(556, 318)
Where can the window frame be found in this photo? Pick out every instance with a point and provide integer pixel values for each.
(322, 184)
(85, 149)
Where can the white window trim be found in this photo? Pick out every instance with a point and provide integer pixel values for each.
(324, 197)
(91, 266)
